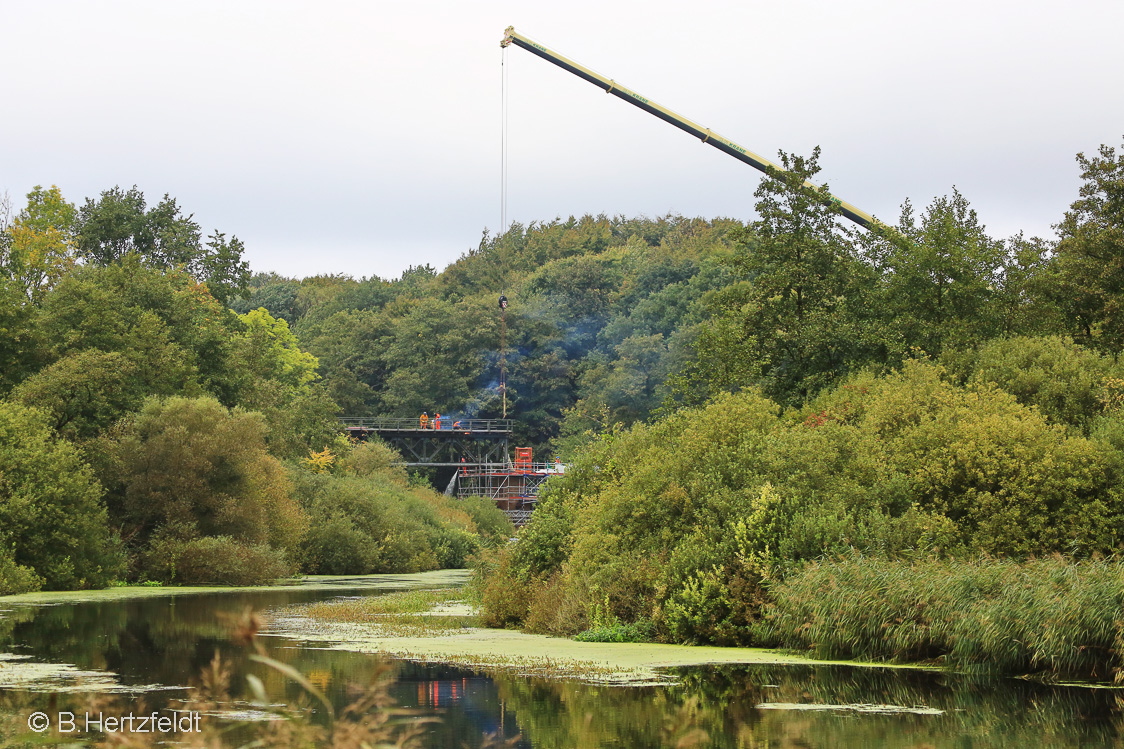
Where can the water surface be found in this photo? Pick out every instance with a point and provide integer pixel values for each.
(153, 648)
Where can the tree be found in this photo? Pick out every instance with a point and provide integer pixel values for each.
(1090, 252)
(51, 513)
(939, 278)
(19, 344)
(39, 244)
(186, 468)
(799, 323)
(278, 379)
(118, 224)
(84, 392)
(173, 332)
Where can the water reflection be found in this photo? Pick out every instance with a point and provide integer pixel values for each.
(158, 646)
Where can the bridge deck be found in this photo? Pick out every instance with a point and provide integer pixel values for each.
(497, 427)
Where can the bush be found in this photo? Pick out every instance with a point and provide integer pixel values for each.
(682, 522)
(15, 578)
(1068, 383)
(188, 468)
(53, 525)
(640, 631)
(335, 546)
(363, 523)
(214, 560)
(492, 523)
(376, 457)
(504, 597)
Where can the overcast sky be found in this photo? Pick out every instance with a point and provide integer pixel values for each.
(363, 137)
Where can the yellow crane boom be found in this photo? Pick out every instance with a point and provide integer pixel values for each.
(708, 136)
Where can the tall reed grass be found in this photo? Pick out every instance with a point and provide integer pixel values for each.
(1054, 618)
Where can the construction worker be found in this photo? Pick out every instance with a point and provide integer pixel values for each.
(437, 421)
(457, 424)
(424, 420)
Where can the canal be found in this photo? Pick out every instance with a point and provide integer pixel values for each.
(128, 654)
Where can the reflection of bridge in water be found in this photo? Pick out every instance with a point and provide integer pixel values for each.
(479, 451)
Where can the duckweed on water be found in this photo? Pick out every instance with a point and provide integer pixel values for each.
(410, 613)
(411, 626)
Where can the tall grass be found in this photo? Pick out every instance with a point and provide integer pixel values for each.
(1050, 617)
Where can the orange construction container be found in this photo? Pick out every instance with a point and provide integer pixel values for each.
(523, 458)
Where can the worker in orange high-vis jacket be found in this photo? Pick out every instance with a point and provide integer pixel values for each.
(437, 421)
(424, 420)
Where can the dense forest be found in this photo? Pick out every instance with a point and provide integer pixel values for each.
(742, 403)
(150, 433)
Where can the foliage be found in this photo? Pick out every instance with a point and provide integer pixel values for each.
(367, 519)
(53, 525)
(16, 578)
(1091, 252)
(1068, 383)
(39, 247)
(84, 392)
(188, 468)
(685, 521)
(1052, 616)
(119, 224)
(213, 560)
(273, 376)
(171, 333)
(19, 343)
(640, 631)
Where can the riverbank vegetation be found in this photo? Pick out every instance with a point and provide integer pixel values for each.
(917, 396)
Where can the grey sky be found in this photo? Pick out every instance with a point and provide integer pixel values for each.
(363, 137)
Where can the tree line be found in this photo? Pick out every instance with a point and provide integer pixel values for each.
(149, 432)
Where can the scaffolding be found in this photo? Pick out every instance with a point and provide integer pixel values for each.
(476, 448)
(513, 487)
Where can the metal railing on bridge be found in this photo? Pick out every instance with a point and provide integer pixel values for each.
(399, 424)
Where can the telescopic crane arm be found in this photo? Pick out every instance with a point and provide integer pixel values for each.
(707, 135)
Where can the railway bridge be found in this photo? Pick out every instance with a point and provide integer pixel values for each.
(473, 443)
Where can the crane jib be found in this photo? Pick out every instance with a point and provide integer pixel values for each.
(707, 136)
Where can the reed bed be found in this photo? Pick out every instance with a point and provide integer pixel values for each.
(1052, 618)
(410, 613)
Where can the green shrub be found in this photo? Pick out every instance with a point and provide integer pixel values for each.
(1067, 382)
(53, 523)
(373, 523)
(214, 560)
(504, 597)
(639, 631)
(15, 578)
(333, 545)
(492, 523)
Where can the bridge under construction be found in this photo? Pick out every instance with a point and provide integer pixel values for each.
(478, 450)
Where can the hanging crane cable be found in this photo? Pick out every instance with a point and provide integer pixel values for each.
(503, 142)
(502, 350)
(503, 224)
